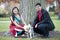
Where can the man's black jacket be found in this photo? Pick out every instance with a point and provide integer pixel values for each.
(45, 20)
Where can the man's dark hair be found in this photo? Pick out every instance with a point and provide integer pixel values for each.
(38, 4)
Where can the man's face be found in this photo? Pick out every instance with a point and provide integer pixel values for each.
(38, 7)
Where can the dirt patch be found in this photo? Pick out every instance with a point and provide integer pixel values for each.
(52, 33)
(55, 33)
(5, 34)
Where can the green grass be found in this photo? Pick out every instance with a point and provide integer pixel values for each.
(53, 38)
(56, 22)
(4, 26)
(4, 18)
(10, 38)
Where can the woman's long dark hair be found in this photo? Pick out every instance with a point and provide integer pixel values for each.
(14, 14)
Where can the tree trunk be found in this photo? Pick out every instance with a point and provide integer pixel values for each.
(27, 8)
(59, 9)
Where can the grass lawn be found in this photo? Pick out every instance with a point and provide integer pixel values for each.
(4, 26)
(10, 38)
(56, 22)
(4, 19)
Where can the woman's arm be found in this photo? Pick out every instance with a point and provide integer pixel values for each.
(15, 22)
(23, 20)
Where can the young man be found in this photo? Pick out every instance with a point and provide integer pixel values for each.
(42, 23)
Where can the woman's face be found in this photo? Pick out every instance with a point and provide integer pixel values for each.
(15, 11)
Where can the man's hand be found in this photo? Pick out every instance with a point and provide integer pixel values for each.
(36, 26)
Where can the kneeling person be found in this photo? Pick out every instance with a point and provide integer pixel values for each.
(42, 23)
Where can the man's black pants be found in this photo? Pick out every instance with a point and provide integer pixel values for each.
(42, 29)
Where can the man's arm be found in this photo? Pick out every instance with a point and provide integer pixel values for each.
(35, 21)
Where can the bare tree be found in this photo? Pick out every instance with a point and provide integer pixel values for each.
(58, 9)
(27, 8)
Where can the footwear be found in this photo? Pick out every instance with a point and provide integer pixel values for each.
(46, 35)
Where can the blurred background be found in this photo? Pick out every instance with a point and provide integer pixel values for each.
(27, 9)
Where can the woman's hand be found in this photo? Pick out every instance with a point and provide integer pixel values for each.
(21, 27)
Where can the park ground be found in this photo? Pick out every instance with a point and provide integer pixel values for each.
(5, 22)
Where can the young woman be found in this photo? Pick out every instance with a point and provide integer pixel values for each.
(17, 23)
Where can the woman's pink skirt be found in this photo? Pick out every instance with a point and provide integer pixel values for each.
(12, 28)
